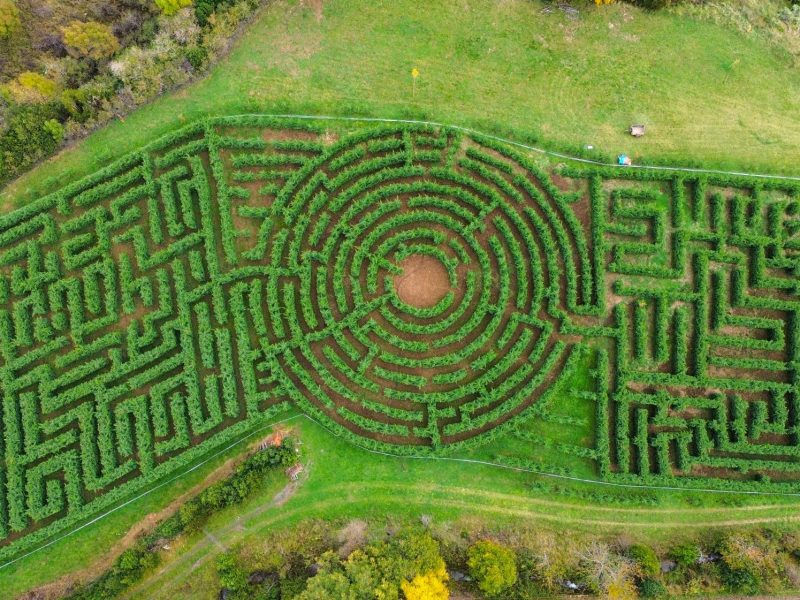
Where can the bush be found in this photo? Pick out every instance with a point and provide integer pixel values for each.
(231, 575)
(197, 56)
(9, 18)
(652, 588)
(645, 558)
(90, 40)
(30, 87)
(428, 586)
(686, 555)
(740, 581)
(170, 7)
(493, 566)
(28, 137)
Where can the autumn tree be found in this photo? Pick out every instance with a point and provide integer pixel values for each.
(493, 566)
(90, 40)
(410, 560)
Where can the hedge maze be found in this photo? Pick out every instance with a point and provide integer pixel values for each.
(245, 265)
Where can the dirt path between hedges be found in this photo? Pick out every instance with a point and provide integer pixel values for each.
(62, 586)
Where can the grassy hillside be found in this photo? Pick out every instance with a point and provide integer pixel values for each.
(728, 101)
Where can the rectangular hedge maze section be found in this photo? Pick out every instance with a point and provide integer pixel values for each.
(702, 281)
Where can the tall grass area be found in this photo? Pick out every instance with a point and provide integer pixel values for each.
(709, 95)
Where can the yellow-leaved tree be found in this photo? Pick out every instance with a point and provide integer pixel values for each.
(427, 586)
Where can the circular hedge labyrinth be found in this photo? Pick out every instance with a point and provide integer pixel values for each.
(413, 286)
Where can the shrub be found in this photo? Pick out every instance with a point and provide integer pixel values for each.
(750, 561)
(55, 129)
(645, 558)
(170, 7)
(197, 56)
(652, 588)
(9, 18)
(30, 87)
(428, 586)
(90, 40)
(381, 570)
(231, 575)
(740, 581)
(493, 566)
(26, 138)
(686, 555)
(205, 8)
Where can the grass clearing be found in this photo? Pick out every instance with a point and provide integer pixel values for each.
(728, 102)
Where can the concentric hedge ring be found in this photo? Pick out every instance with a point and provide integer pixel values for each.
(376, 365)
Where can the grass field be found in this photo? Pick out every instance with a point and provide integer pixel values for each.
(728, 102)
(402, 490)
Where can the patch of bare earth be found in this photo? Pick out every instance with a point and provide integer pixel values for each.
(423, 282)
(316, 6)
(352, 536)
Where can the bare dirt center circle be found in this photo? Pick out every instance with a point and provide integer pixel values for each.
(423, 281)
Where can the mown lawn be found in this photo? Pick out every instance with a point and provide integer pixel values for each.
(708, 95)
(344, 483)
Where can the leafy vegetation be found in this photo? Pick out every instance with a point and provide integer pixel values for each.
(134, 562)
(95, 71)
(493, 567)
(9, 18)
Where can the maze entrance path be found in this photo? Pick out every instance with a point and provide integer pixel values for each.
(412, 287)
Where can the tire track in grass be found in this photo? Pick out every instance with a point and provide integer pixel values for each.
(175, 573)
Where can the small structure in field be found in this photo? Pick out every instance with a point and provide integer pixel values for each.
(636, 130)
(294, 471)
